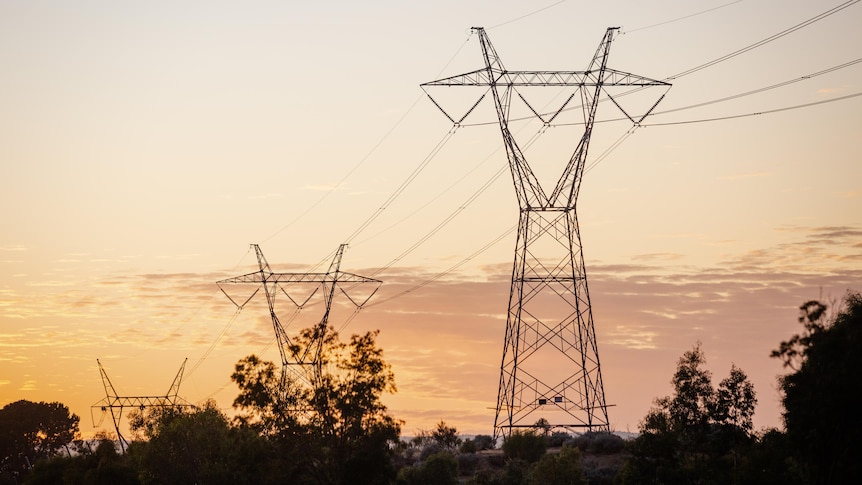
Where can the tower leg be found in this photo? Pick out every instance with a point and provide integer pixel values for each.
(550, 375)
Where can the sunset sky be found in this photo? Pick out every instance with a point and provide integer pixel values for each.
(145, 145)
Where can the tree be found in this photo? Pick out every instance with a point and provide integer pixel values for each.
(446, 436)
(199, 446)
(32, 431)
(337, 428)
(104, 466)
(524, 445)
(438, 469)
(693, 394)
(697, 434)
(820, 397)
(563, 468)
(734, 401)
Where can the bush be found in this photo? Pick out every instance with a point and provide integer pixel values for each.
(557, 439)
(559, 468)
(467, 463)
(524, 445)
(599, 443)
(468, 446)
(483, 442)
(439, 469)
(429, 450)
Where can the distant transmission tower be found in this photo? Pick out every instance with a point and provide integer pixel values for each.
(550, 376)
(303, 362)
(116, 404)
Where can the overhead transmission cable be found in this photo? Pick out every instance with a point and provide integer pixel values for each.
(725, 57)
(634, 128)
(679, 18)
(739, 95)
(757, 113)
(367, 155)
(400, 189)
(449, 270)
(765, 41)
(452, 215)
(522, 17)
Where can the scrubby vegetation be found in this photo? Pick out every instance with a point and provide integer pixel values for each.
(340, 432)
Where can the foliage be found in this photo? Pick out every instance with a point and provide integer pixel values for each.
(599, 443)
(33, 431)
(734, 401)
(562, 468)
(821, 415)
(438, 469)
(524, 445)
(446, 436)
(198, 446)
(102, 467)
(698, 434)
(483, 442)
(336, 430)
(557, 439)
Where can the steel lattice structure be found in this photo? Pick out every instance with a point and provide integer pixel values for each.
(115, 404)
(304, 362)
(550, 375)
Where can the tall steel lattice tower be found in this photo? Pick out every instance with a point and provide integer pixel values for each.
(550, 376)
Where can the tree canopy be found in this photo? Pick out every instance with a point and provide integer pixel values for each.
(32, 431)
(337, 429)
(691, 435)
(821, 395)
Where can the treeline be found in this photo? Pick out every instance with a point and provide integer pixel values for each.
(336, 429)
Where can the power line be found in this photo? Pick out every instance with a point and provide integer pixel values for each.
(522, 17)
(756, 113)
(400, 189)
(738, 95)
(367, 155)
(765, 41)
(679, 18)
(447, 271)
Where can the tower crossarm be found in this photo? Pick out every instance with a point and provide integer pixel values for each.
(296, 278)
(487, 77)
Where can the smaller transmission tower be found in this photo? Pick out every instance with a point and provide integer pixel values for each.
(115, 404)
(305, 362)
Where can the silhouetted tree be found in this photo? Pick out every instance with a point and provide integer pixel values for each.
(562, 468)
(698, 434)
(338, 431)
(524, 445)
(200, 446)
(446, 436)
(821, 396)
(33, 431)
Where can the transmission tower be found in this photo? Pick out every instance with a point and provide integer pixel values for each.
(115, 404)
(550, 367)
(303, 362)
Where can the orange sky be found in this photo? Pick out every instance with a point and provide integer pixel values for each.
(144, 147)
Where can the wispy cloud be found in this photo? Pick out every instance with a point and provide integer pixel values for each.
(323, 187)
(29, 385)
(741, 176)
(266, 196)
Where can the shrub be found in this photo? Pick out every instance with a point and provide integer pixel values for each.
(524, 445)
(439, 469)
(599, 443)
(559, 468)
